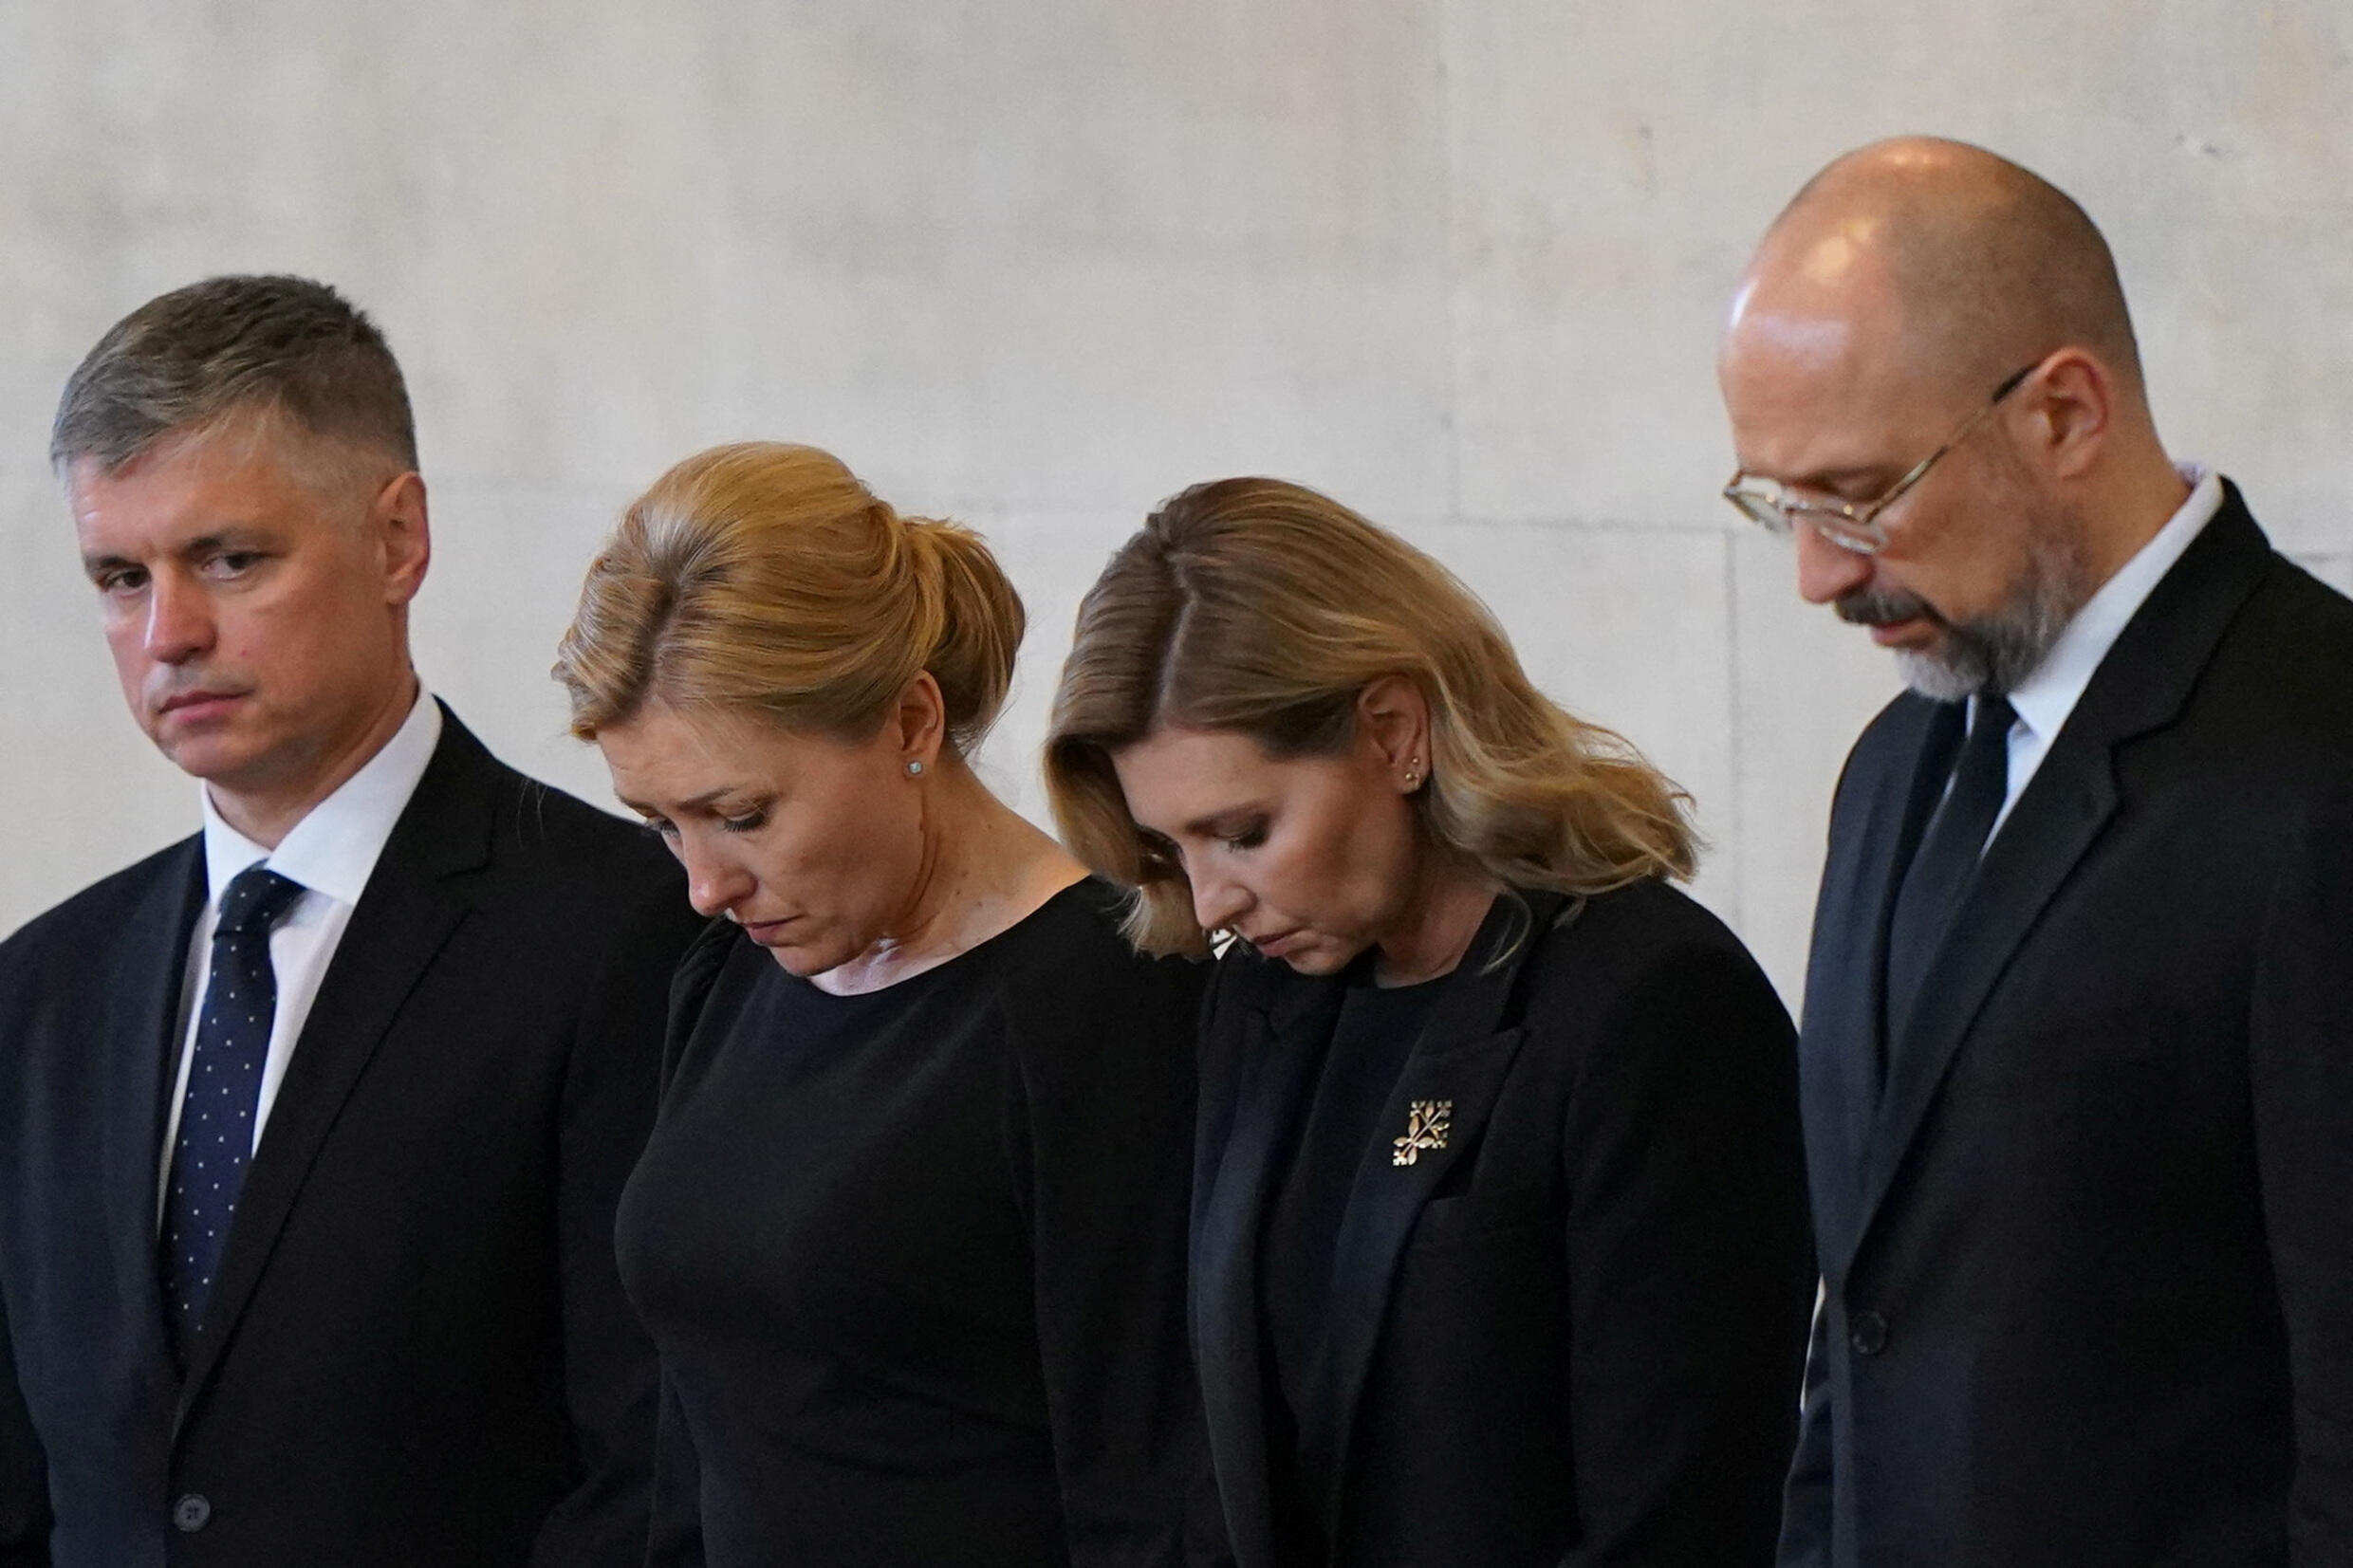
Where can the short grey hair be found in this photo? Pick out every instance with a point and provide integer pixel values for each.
(244, 345)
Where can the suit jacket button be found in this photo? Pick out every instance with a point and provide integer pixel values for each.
(1867, 1332)
(190, 1513)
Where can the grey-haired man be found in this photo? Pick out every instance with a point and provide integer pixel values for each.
(314, 1122)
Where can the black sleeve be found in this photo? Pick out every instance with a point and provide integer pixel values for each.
(1806, 1504)
(1104, 1108)
(610, 1376)
(2301, 1040)
(23, 1471)
(1691, 1265)
(676, 1538)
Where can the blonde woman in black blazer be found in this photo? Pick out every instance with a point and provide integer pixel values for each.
(1499, 1242)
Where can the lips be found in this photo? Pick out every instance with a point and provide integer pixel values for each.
(199, 705)
(1887, 633)
(1273, 947)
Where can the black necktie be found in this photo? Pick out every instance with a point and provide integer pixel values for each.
(224, 1090)
(1945, 862)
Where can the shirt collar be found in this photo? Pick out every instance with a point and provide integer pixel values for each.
(2045, 698)
(334, 848)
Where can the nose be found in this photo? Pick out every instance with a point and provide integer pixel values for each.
(1218, 902)
(1827, 571)
(179, 620)
(715, 881)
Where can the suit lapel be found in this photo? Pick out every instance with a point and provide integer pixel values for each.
(1281, 1048)
(402, 920)
(1846, 972)
(2063, 810)
(2139, 687)
(1450, 1082)
(141, 1045)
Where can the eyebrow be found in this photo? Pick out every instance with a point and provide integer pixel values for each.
(1825, 479)
(1207, 826)
(699, 802)
(230, 538)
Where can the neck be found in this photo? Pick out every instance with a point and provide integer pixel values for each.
(268, 812)
(2131, 508)
(985, 869)
(1447, 904)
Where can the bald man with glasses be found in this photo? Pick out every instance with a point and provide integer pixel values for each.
(2077, 1056)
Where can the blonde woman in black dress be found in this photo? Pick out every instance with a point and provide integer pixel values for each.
(909, 1230)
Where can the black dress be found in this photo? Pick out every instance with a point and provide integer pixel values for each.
(914, 1258)
(1371, 1040)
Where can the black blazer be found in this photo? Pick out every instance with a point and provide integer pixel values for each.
(2089, 1261)
(417, 1354)
(1572, 1334)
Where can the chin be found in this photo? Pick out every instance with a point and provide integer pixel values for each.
(217, 759)
(804, 963)
(1318, 959)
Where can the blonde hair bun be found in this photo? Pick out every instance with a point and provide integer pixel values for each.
(767, 576)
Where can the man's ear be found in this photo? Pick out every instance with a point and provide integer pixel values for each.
(2073, 409)
(398, 519)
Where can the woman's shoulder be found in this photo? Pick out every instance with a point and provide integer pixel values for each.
(1070, 958)
(719, 959)
(1078, 928)
(1645, 935)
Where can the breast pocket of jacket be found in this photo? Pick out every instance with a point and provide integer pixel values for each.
(2156, 1046)
(1470, 1216)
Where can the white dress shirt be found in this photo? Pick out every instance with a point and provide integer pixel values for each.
(331, 852)
(2045, 698)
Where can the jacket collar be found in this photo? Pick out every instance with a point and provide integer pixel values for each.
(1444, 1094)
(414, 900)
(2141, 686)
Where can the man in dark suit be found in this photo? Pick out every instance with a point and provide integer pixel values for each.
(312, 1125)
(2077, 1056)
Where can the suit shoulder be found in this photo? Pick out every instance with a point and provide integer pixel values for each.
(1646, 938)
(104, 907)
(2275, 699)
(2304, 627)
(563, 835)
(1644, 916)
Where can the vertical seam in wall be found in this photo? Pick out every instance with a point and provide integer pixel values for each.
(1441, 33)
(1732, 709)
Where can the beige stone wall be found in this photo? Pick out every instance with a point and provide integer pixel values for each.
(1460, 262)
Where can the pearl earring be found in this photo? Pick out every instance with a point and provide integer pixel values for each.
(1413, 774)
(914, 770)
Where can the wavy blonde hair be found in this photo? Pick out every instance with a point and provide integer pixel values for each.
(768, 577)
(1263, 607)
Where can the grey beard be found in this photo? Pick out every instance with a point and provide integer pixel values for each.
(1997, 651)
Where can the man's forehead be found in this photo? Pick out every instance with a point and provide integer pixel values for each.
(1813, 381)
(187, 487)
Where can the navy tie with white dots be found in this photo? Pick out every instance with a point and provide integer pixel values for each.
(224, 1089)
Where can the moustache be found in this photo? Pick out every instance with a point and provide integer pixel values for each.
(1869, 608)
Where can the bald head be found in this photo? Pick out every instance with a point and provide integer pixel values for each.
(1876, 358)
(1976, 265)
